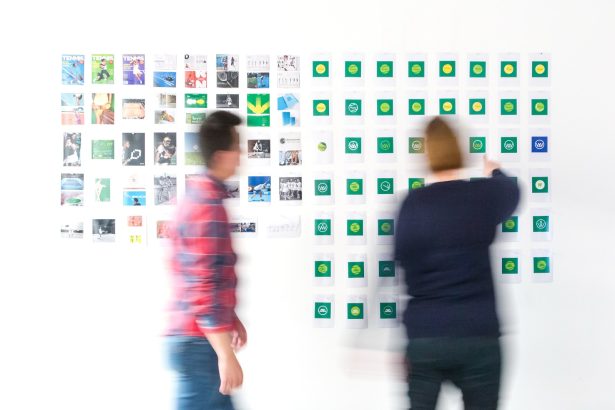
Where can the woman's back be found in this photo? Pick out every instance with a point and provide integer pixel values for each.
(443, 236)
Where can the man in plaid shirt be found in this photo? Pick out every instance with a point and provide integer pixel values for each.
(205, 332)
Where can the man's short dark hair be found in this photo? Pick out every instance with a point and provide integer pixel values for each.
(215, 133)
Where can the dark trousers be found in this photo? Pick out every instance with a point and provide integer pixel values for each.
(198, 379)
(473, 364)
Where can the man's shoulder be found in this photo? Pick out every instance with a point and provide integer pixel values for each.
(204, 190)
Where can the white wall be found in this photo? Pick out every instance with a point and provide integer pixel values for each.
(81, 322)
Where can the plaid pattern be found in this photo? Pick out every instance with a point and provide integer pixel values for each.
(202, 262)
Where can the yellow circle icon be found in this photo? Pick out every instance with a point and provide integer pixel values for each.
(320, 68)
(355, 269)
(355, 311)
(509, 69)
(416, 106)
(385, 69)
(447, 68)
(540, 69)
(321, 107)
(477, 69)
(353, 69)
(416, 69)
(385, 107)
(477, 106)
(447, 106)
(354, 186)
(540, 107)
(508, 106)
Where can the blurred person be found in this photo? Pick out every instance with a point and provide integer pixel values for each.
(205, 332)
(442, 241)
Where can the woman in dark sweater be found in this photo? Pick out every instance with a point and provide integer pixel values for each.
(442, 242)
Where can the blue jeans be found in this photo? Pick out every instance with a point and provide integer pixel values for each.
(196, 364)
(472, 363)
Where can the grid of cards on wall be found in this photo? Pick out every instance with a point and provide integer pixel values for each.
(129, 138)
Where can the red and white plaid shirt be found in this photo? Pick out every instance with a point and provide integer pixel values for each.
(202, 262)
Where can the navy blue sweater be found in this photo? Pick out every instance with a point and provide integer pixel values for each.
(443, 235)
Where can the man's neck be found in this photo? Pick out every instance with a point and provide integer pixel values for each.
(217, 174)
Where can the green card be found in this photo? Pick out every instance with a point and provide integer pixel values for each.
(384, 69)
(352, 69)
(322, 310)
(355, 310)
(447, 68)
(322, 269)
(385, 145)
(508, 69)
(322, 227)
(320, 68)
(416, 69)
(320, 108)
(478, 69)
(510, 265)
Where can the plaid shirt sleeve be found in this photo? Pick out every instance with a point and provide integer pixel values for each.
(203, 268)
